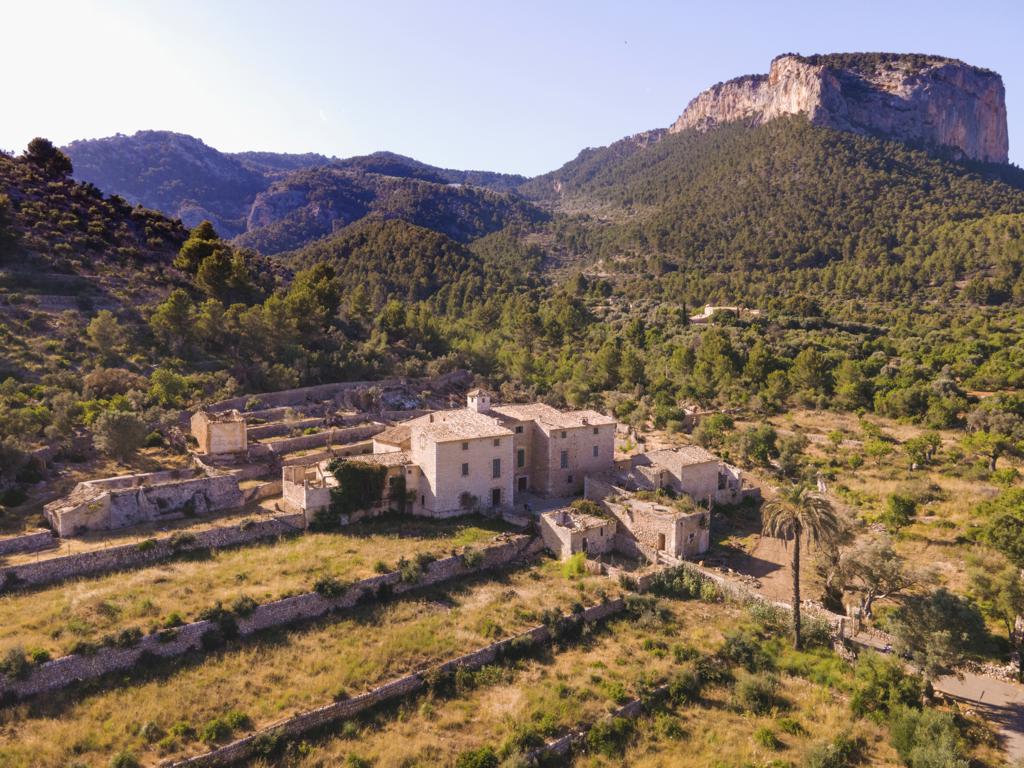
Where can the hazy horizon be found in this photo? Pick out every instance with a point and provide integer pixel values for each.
(518, 90)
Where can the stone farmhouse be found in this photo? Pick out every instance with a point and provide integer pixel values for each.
(482, 456)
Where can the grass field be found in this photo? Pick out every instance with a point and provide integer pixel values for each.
(56, 618)
(504, 707)
(280, 673)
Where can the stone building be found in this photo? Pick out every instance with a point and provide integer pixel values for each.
(308, 487)
(568, 531)
(484, 456)
(219, 433)
(689, 470)
(118, 502)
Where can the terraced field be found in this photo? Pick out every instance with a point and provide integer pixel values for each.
(186, 707)
(57, 618)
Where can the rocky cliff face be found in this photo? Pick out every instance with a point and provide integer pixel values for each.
(918, 99)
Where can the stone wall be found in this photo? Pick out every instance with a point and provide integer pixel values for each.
(67, 670)
(298, 725)
(28, 542)
(333, 436)
(128, 556)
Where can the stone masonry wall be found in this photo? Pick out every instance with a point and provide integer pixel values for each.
(59, 673)
(298, 725)
(29, 542)
(127, 556)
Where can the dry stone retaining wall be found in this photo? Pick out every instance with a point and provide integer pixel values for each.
(298, 725)
(138, 555)
(29, 542)
(59, 673)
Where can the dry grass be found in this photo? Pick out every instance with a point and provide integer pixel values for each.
(282, 672)
(86, 609)
(579, 685)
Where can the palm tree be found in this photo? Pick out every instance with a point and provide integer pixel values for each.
(793, 513)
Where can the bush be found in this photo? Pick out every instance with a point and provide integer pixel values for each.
(484, 757)
(927, 738)
(610, 737)
(221, 728)
(153, 440)
(243, 605)
(125, 760)
(742, 648)
(329, 587)
(13, 497)
(841, 752)
(14, 664)
(685, 687)
(766, 737)
(472, 558)
(880, 686)
(757, 693)
(575, 566)
(381, 567)
(899, 512)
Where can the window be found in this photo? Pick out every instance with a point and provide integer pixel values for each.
(596, 430)
(497, 442)
(423, 501)
(563, 434)
(521, 457)
(392, 481)
(519, 429)
(496, 468)
(596, 451)
(465, 470)
(721, 481)
(465, 446)
(565, 460)
(568, 479)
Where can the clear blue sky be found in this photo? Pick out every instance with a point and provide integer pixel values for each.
(516, 86)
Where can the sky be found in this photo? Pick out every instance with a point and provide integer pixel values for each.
(517, 86)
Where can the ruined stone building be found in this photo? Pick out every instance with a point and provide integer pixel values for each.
(220, 433)
(118, 502)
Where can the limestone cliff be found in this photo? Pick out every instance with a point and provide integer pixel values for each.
(913, 98)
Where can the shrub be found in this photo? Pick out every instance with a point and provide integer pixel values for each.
(766, 737)
(880, 686)
(13, 497)
(125, 760)
(472, 558)
(145, 545)
(757, 693)
(610, 737)
(181, 540)
(38, 655)
(221, 728)
(575, 566)
(484, 757)
(329, 587)
(14, 664)
(709, 592)
(927, 738)
(243, 605)
(153, 440)
(899, 511)
(791, 726)
(381, 567)
(746, 650)
(355, 761)
(685, 687)
(841, 752)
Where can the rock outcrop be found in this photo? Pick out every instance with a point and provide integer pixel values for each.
(918, 99)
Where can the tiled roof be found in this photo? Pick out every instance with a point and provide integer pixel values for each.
(388, 459)
(545, 414)
(461, 424)
(395, 435)
(684, 456)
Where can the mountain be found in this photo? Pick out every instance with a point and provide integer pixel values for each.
(309, 204)
(173, 173)
(243, 192)
(929, 100)
(735, 202)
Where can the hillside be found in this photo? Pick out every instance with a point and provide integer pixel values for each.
(309, 204)
(781, 197)
(247, 191)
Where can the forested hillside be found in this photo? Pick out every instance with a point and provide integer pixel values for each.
(309, 204)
